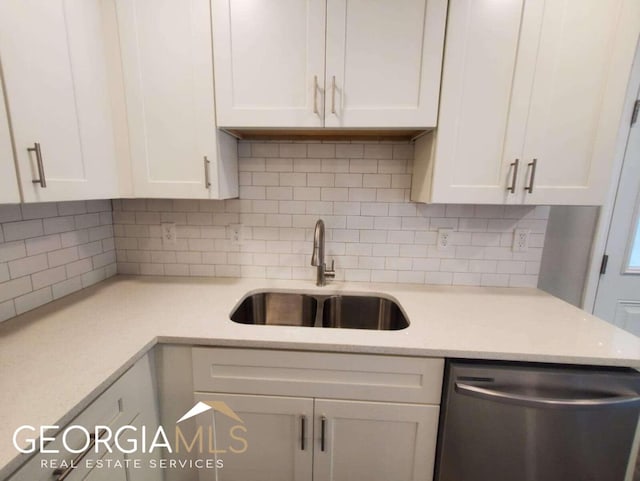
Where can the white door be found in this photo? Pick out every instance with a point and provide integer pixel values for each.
(9, 192)
(168, 77)
(374, 441)
(277, 432)
(473, 164)
(383, 62)
(269, 62)
(585, 50)
(618, 296)
(55, 76)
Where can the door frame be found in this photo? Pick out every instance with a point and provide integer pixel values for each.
(605, 216)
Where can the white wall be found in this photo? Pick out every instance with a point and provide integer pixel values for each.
(567, 251)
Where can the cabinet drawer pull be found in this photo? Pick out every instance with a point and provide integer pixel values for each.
(533, 164)
(303, 431)
(42, 180)
(63, 473)
(207, 182)
(323, 427)
(333, 94)
(512, 187)
(315, 94)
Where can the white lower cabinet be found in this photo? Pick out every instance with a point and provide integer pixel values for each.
(374, 441)
(112, 474)
(345, 433)
(130, 400)
(277, 431)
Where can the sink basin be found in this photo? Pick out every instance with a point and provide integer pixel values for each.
(320, 310)
(363, 312)
(277, 308)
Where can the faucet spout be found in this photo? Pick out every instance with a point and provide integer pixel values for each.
(317, 255)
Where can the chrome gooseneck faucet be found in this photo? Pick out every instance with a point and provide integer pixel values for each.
(317, 256)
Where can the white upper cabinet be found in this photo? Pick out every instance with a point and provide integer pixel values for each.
(384, 60)
(167, 66)
(9, 192)
(531, 103)
(53, 61)
(269, 59)
(583, 61)
(477, 79)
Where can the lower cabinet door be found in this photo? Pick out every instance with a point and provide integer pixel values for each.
(257, 437)
(116, 473)
(374, 441)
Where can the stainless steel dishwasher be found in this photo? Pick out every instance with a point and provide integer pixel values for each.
(515, 422)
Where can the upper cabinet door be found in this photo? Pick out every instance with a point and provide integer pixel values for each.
(269, 62)
(584, 57)
(54, 68)
(9, 192)
(384, 60)
(168, 81)
(473, 163)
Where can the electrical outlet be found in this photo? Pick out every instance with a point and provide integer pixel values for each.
(169, 235)
(444, 238)
(520, 240)
(235, 234)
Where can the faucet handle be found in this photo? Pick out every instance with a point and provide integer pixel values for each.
(330, 272)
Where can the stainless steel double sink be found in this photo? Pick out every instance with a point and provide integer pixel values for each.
(320, 310)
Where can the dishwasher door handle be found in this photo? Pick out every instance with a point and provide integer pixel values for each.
(545, 402)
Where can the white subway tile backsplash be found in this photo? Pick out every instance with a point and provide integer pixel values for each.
(12, 250)
(39, 211)
(22, 229)
(41, 253)
(27, 265)
(361, 191)
(48, 277)
(33, 299)
(39, 245)
(321, 151)
(4, 272)
(15, 288)
(297, 150)
(349, 151)
(7, 310)
(10, 213)
(72, 208)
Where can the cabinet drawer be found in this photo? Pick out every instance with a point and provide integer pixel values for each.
(116, 407)
(314, 374)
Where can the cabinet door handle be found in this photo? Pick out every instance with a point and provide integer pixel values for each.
(512, 188)
(533, 164)
(323, 428)
(333, 94)
(315, 94)
(303, 432)
(62, 473)
(207, 182)
(42, 180)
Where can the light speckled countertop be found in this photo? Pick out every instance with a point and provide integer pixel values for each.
(56, 359)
